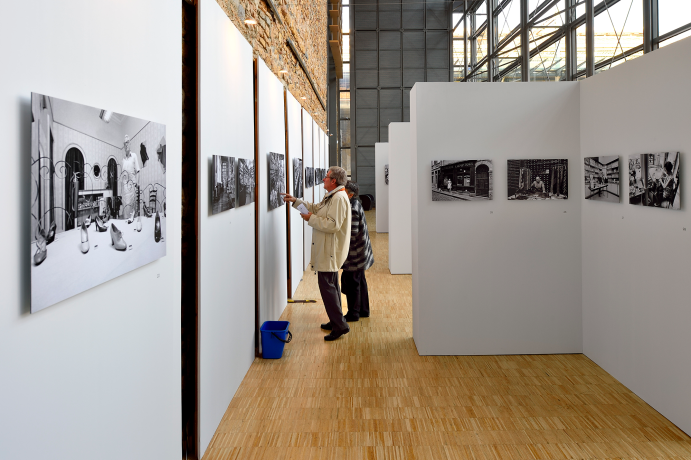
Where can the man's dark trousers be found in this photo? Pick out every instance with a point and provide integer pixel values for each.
(331, 295)
(355, 290)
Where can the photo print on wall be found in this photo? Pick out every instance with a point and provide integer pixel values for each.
(386, 174)
(245, 182)
(654, 180)
(462, 180)
(309, 177)
(222, 184)
(601, 176)
(98, 200)
(538, 179)
(277, 179)
(297, 178)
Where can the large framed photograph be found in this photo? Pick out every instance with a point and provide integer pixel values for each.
(538, 179)
(277, 179)
(297, 178)
(462, 180)
(98, 197)
(309, 177)
(601, 176)
(222, 184)
(654, 180)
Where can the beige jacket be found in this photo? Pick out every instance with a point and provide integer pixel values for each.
(331, 236)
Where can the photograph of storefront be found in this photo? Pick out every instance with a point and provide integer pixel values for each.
(601, 176)
(466, 180)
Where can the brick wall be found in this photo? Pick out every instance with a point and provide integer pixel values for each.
(305, 23)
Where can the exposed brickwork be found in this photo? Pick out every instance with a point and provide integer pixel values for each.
(305, 23)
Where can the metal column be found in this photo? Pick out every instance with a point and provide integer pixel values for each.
(650, 25)
(571, 51)
(589, 38)
(525, 42)
(490, 40)
(465, 38)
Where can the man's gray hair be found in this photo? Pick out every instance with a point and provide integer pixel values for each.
(339, 174)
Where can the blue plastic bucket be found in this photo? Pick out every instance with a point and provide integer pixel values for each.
(274, 338)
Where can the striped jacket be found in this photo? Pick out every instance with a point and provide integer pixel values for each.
(360, 256)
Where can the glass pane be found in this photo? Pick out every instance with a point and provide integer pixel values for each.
(580, 48)
(345, 160)
(345, 20)
(345, 104)
(617, 29)
(481, 74)
(458, 52)
(458, 73)
(458, 32)
(344, 83)
(345, 132)
(550, 63)
(346, 48)
(508, 19)
(513, 75)
(673, 14)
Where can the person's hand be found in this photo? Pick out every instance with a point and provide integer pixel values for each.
(288, 198)
(306, 216)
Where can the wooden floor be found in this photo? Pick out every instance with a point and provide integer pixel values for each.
(369, 395)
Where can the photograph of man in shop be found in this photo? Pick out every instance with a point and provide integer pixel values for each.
(360, 258)
(330, 220)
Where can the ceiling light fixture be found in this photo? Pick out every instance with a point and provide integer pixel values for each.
(251, 21)
(105, 115)
(283, 71)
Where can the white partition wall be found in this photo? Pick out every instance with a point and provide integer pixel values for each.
(400, 244)
(636, 290)
(296, 222)
(226, 305)
(307, 157)
(318, 185)
(96, 375)
(273, 270)
(381, 160)
(499, 276)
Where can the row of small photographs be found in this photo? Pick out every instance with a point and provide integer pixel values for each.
(232, 184)
(653, 179)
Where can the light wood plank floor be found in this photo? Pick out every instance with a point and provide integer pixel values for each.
(370, 396)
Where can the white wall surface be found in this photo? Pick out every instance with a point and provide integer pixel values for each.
(318, 163)
(97, 374)
(494, 277)
(308, 160)
(273, 254)
(636, 289)
(401, 149)
(381, 159)
(296, 222)
(226, 249)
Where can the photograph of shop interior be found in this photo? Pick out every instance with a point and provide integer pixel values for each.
(543, 314)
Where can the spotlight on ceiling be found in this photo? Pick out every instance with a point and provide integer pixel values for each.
(251, 21)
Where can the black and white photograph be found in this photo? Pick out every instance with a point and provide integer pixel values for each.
(654, 180)
(462, 180)
(277, 179)
(538, 179)
(601, 176)
(98, 197)
(386, 174)
(245, 182)
(297, 178)
(309, 177)
(222, 184)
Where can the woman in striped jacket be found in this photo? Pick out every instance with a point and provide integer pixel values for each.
(360, 258)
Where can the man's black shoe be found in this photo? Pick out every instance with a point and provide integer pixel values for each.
(335, 334)
(327, 326)
(351, 318)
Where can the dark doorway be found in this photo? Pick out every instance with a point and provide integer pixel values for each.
(482, 180)
(74, 182)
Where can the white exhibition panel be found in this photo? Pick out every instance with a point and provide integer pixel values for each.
(226, 285)
(97, 374)
(636, 273)
(495, 277)
(381, 159)
(273, 253)
(294, 111)
(318, 185)
(401, 149)
(308, 160)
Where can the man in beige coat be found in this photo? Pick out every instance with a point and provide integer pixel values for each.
(330, 221)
